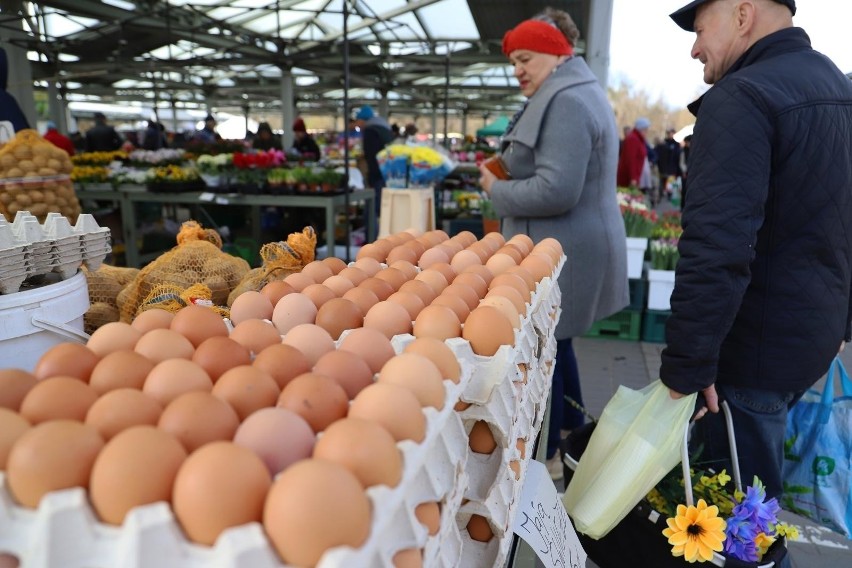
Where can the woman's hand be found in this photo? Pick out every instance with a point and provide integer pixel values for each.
(486, 178)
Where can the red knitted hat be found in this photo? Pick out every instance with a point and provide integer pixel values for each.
(537, 36)
(299, 125)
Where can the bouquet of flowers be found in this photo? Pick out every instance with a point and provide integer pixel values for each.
(208, 164)
(403, 164)
(639, 219)
(664, 254)
(161, 157)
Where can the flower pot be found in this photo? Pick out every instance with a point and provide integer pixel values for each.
(212, 180)
(636, 247)
(490, 226)
(660, 287)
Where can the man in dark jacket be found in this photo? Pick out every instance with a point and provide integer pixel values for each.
(376, 134)
(763, 291)
(668, 159)
(102, 137)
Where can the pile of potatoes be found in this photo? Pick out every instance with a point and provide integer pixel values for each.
(35, 177)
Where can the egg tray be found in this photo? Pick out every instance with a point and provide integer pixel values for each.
(444, 549)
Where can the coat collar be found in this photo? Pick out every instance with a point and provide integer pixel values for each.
(776, 43)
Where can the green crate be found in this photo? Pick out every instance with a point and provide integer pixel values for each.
(638, 293)
(626, 324)
(654, 326)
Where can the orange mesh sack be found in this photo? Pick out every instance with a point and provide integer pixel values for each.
(280, 259)
(197, 259)
(172, 298)
(35, 176)
(105, 285)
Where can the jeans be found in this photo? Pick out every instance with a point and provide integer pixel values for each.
(566, 382)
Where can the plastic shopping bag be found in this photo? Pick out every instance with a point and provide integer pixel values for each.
(635, 444)
(817, 472)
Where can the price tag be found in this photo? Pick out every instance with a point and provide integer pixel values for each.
(206, 196)
(222, 200)
(541, 520)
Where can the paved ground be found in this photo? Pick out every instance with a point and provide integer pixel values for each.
(605, 364)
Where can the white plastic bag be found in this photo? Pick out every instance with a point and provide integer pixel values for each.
(635, 444)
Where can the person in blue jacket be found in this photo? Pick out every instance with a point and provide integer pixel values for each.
(763, 291)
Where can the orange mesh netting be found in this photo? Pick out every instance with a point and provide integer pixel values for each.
(105, 285)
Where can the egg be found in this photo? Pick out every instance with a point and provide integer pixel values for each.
(363, 447)
(370, 266)
(136, 467)
(197, 418)
(174, 377)
(527, 242)
(348, 369)
(429, 515)
(437, 351)
(437, 321)
(121, 409)
(408, 300)
(436, 280)
(487, 329)
(66, 359)
(416, 246)
(310, 339)
(432, 256)
(247, 389)
(372, 251)
(515, 250)
(380, 288)
(279, 437)
(58, 454)
(216, 355)
(446, 271)
(483, 273)
(317, 271)
(316, 398)
(275, 290)
(506, 307)
(406, 267)
(521, 444)
(479, 528)
(315, 505)
(514, 281)
(14, 386)
(338, 315)
(198, 323)
(525, 274)
(221, 485)
(463, 259)
(120, 369)
(370, 344)
(161, 344)
(511, 294)
(354, 274)
(58, 398)
(282, 362)
(299, 281)
(481, 440)
(319, 294)
(392, 276)
(393, 407)
(420, 289)
(500, 263)
(251, 305)
(539, 265)
(402, 253)
(152, 319)
(455, 303)
(113, 336)
(339, 284)
(463, 291)
(389, 318)
(255, 335)
(12, 427)
(496, 238)
(362, 297)
(334, 263)
(418, 374)
(293, 310)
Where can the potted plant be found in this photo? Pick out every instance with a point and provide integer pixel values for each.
(639, 222)
(490, 220)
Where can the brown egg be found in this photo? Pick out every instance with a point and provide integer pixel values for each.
(416, 246)
(432, 256)
(251, 305)
(380, 288)
(319, 294)
(515, 282)
(407, 268)
(363, 447)
(370, 266)
(515, 466)
(58, 454)
(452, 246)
(113, 336)
(278, 436)
(334, 263)
(481, 440)
(120, 369)
(393, 407)
(480, 271)
(256, 335)
(199, 418)
(408, 300)
(198, 323)
(478, 526)
(219, 354)
(14, 386)
(66, 359)
(339, 284)
(221, 485)
(402, 253)
(317, 271)
(276, 290)
(361, 297)
(354, 275)
(437, 321)
(418, 374)
(12, 427)
(421, 289)
(371, 251)
(525, 275)
(293, 310)
(429, 515)
(137, 467)
(435, 279)
(392, 276)
(511, 294)
(247, 388)
(455, 303)
(299, 281)
(554, 253)
(487, 329)
(371, 344)
(408, 558)
(121, 409)
(521, 444)
(506, 307)
(348, 369)
(315, 505)
(446, 271)
(496, 238)
(282, 362)
(526, 241)
(338, 315)
(58, 398)
(515, 251)
(500, 263)
(465, 237)
(464, 292)
(437, 351)
(316, 398)
(152, 319)
(481, 250)
(161, 344)
(464, 259)
(310, 339)
(388, 317)
(174, 377)
(539, 265)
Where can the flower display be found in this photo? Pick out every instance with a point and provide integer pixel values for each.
(161, 157)
(664, 254)
(214, 164)
(89, 174)
(97, 158)
(404, 164)
(263, 159)
(172, 174)
(639, 219)
(695, 532)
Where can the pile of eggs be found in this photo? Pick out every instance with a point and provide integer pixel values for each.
(199, 408)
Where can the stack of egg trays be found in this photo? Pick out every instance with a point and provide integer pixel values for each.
(64, 530)
(95, 241)
(14, 259)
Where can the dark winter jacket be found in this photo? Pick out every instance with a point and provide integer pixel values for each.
(762, 293)
(376, 135)
(9, 109)
(102, 138)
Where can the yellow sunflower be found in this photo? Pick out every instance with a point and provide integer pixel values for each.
(695, 532)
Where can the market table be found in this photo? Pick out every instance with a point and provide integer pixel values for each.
(128, 197)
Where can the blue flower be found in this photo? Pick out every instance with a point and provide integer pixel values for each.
(739, 538)
(752, 508)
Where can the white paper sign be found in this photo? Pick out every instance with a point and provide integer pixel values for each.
(541, 520)
(206, 196)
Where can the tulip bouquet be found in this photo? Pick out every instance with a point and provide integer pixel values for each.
(639, 219)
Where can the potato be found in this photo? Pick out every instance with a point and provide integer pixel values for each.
(13, 208)
(23, 200)
(45, 171)
(15, 172)
(8, 161)
(36, 196)
(39, 209)
(40, 160)
(27, 166)
(49, 197)
(51, 163)
(6, 198)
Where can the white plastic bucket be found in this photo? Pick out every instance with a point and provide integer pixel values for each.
(33, 321)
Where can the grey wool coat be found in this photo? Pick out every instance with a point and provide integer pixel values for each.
(562, 154)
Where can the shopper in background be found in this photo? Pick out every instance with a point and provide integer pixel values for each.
(265, 139)
(761, 302)
(102, 137)
(208, 134)
(562, 153)
(634, 167)
(684, 166)
(154, 137)
(668, 159)
(376, 134)
(58, 139)
(303, 142)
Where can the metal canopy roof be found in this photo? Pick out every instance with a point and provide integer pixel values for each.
(230, 53)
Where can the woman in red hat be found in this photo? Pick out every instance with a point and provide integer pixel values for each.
(562, 153)
(304, 143)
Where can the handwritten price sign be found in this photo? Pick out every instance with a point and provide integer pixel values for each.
(541, 520)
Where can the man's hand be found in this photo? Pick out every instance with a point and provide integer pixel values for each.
(486, 179)
(710, 398)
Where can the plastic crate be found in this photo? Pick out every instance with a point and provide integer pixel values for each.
(654, 326)
(626, 324)
(638, 291)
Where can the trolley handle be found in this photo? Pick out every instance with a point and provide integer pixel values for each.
(735, 461)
